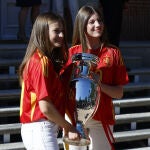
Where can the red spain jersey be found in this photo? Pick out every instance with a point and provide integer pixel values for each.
(112, 71)
(40, 81)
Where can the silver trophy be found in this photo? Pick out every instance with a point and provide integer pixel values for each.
(87, 94)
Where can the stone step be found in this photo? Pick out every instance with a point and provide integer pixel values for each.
(13, 50)
(10, 62)
(134, 47)
(12, 146)
(134, 117)
(139, 74)
(12, 93)
(132, 87)
(119, 136)
(9, 111)
(9, 81)
(8, 77)
(139, 71)
(133, 61)
(12, 47)
(129, 103)
(10, 66)
(132, 135)
(13, 128)
(132, 121)
(137, 48)
(145, 101)
(141, 148)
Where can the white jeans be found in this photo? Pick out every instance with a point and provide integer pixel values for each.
(97, 136)
(40, 135)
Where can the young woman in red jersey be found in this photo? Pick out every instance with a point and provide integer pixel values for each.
(89, 36)
(42, 105)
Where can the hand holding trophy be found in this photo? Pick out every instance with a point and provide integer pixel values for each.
(86, 94)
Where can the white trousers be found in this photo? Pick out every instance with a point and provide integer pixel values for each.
(97, 136)
(40, 135)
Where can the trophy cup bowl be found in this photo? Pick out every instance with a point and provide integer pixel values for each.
(86, 94)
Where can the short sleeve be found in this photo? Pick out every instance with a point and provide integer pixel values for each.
(43, 78)
(120, 73)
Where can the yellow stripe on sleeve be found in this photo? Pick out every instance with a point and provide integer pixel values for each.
(33, 102)
(44, 63)
(21, 99)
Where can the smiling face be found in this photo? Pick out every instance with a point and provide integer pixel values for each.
(95, 27)
(56, 34)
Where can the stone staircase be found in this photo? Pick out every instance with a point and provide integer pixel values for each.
(132, 129)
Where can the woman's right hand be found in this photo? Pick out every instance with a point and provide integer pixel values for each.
(71, 133)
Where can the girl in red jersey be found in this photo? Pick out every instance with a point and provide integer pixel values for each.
(42, 105)
(89, 36)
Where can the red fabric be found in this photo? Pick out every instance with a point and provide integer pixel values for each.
(40, 79)
(112, 71)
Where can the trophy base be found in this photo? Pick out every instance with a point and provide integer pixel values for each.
(81, 142)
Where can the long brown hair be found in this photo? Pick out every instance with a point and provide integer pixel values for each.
(81, 20)
(39, 39)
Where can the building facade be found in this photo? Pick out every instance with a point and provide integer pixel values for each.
(135, 24)
(9, 18)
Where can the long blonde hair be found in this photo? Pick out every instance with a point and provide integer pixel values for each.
(81, 20)
(39, 39)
